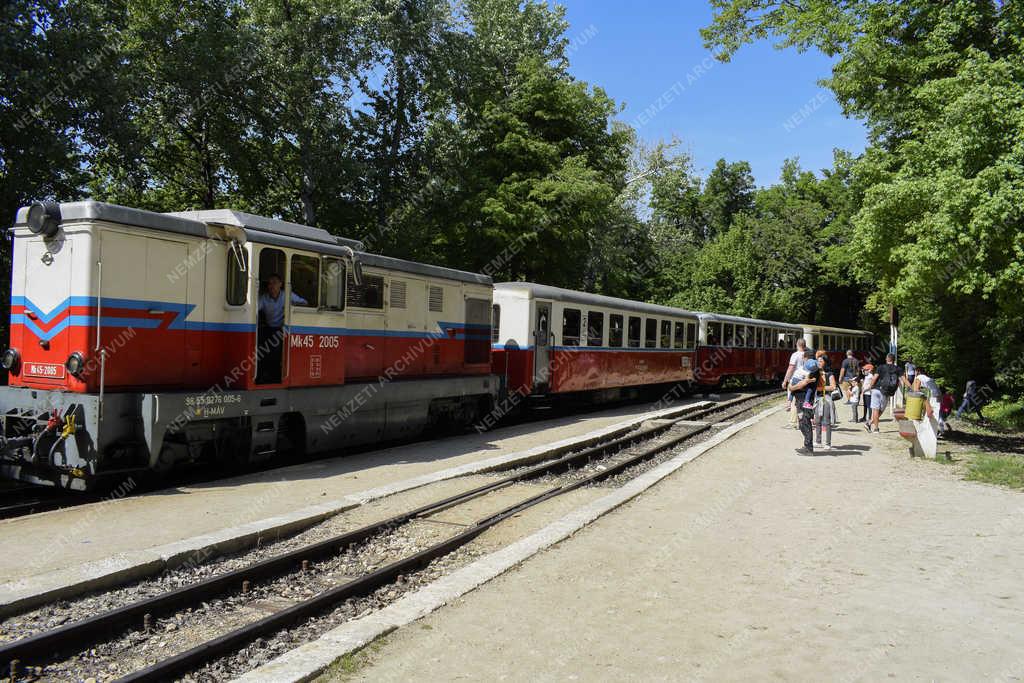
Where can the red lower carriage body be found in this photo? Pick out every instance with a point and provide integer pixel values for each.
(715, 363)
(578, 369)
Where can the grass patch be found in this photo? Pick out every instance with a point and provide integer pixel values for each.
(1003, 470)
(345, 668)
(1006, 414)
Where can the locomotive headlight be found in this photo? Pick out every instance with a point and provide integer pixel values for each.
(75, 363)
(9, 359)
(44, 218)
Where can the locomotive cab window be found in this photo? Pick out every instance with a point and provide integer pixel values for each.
(571, 327)
(634, 332)
(332, 284)
(237, 288)
(595, 329)
(305, 280)
(615, 331)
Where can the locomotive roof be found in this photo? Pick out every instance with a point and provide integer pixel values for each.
(258, 229)
(749, 321)
(255, 225)
(588, 299)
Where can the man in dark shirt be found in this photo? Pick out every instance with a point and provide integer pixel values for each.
(890, 377)
(848, 373)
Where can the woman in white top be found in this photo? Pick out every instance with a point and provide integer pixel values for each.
(924, 381)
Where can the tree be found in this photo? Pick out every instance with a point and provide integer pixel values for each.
(940, 229)
(728, 191)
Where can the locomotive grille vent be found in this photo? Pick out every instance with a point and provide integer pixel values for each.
(436, 299)
(397, 294)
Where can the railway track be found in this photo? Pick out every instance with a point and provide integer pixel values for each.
(641, 446)
(34, 499)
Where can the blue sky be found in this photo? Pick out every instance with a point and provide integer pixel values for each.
(763, 107)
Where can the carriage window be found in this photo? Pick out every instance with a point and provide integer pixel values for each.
(633, 333)
(750, 335)
(332, 284)
(816, 341)
(679, 341)
(714, 334)
(651, 333)
(237, 287)
(781, 336)
(495, 320)
(691, 335)
(666, 334)
(305, 279)
(730, 334)
(595, 328)
(571, 327)
(370, 294)
(615, 330)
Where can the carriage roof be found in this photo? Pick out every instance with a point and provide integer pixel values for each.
(749, 321)
(588, 299)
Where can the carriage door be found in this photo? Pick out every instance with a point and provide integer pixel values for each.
(542, 347)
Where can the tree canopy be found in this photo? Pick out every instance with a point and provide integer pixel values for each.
(453, 132)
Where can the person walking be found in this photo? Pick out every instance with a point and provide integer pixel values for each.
(972, 402)
(866, 386)
(946, 404)
(795, 359)
(848, 372)
(825, 417)
(890, 377)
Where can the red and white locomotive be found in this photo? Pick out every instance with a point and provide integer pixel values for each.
(142, 341)
(136, 342)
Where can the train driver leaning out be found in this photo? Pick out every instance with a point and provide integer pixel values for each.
(271, 314)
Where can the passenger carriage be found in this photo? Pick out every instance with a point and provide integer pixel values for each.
(136, 342)
(733, 346)
(549, 341)
(836, 341)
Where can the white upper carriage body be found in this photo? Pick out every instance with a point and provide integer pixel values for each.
(584, 320)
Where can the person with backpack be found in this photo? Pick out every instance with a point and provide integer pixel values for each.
(890, 377)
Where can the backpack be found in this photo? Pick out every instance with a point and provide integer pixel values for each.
(890, 382)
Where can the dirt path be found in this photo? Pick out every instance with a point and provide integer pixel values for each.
(753, 562)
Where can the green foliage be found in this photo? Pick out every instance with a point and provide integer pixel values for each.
(939, 232)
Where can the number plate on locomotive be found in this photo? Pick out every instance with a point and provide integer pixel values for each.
(48, 370)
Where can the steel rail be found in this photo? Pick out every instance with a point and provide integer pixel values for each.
(48, 645)
(233, 640)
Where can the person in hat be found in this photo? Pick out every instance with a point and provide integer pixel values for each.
(866, 385)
